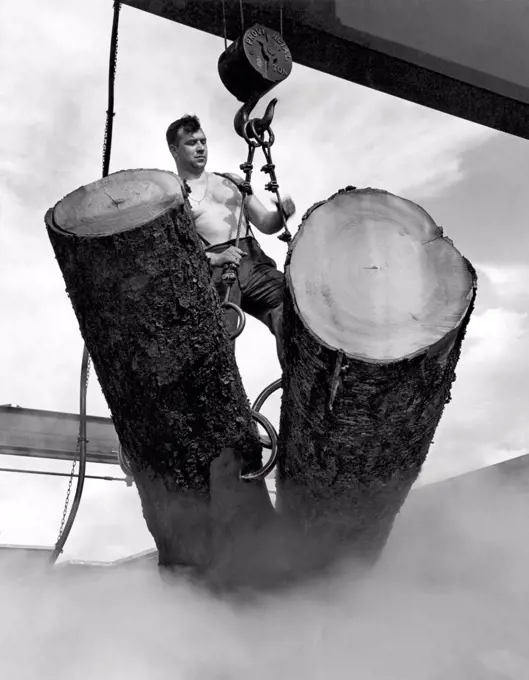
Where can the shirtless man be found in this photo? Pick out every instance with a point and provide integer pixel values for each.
(216, 203)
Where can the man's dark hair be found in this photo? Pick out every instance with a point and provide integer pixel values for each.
(187, 123)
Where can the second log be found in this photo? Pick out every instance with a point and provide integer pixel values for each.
(376, 307)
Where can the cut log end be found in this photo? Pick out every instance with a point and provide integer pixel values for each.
(120, 202)
(378, 280)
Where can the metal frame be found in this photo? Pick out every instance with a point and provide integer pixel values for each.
(94, 453)
(130, 560)
(318, 40)
(50, 473)
(55, 454)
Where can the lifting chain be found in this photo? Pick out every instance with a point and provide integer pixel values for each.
(229, 275)
(244, 71)
(254, 132)
(67, 523)
(258, 139)
(72, 472)
(69, 491)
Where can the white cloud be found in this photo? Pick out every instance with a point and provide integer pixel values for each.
(509, 281)
(486, 421)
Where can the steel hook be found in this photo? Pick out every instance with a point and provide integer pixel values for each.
(259, 125)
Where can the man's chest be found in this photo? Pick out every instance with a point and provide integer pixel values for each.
(224, 192)
(222, 196)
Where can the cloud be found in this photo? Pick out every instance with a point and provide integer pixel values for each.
(486, 421)
(362, 137)
(508, 281)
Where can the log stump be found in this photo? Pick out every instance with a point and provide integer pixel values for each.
(139, 284)
(376, 305)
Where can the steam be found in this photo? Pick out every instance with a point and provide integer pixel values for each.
(449, 599)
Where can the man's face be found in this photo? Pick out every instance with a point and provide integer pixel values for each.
(191, 150)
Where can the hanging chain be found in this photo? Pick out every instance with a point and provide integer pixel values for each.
(253, 132)
(273, 185)
(241, 16)
(229, 275)
(107, 145)
(107, 141)
(70, 482)
(72, 472)
(269, 169)
(245, 187)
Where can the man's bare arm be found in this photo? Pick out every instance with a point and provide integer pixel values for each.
(267, 221)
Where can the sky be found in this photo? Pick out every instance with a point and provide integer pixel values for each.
(329, 134)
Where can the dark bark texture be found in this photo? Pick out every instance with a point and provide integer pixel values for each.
(346, 464)
(157, 338)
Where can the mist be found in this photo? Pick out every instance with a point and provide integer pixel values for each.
(448, 599)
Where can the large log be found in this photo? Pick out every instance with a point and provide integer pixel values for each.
(139, 284)
(376, 307)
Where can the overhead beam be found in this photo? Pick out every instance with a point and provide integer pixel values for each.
(53, 435)
(55, 454)
(318, 40)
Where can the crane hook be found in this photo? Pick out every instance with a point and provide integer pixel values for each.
(247, 128)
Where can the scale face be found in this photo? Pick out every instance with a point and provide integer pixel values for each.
(267, 52)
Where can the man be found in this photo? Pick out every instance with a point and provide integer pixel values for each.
(216, 203)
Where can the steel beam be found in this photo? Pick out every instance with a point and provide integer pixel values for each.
(317, 39)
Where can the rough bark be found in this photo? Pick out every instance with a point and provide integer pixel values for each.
(139, 284)
(376, 306)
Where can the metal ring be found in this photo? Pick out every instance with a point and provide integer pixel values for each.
(271, 139)
(251, 142)
(241, 323)
(258, 136)
(123, 461)
(271, 463)
(258, 403)
(263, 396)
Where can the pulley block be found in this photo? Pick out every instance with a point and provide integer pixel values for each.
(252, 65)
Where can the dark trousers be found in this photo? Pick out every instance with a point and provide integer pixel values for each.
(258, 289)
